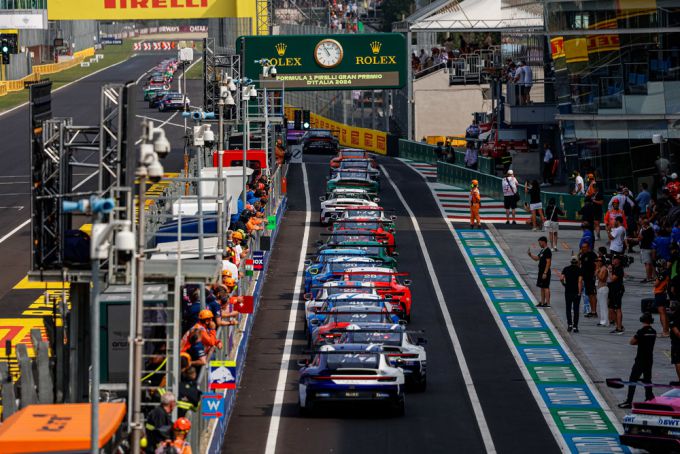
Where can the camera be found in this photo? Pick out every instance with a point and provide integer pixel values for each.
(155, 171)
(125, 245)
(162, 145)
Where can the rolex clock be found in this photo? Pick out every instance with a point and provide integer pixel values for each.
(328, 53)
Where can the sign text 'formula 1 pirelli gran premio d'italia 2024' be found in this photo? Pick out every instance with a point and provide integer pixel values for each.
(139, 9)
(333, 62)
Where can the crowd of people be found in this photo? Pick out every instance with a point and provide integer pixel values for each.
(344, 16)
(448, 53)
(202, 316)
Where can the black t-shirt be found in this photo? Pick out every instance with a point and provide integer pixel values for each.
(646, 337)
(647, 238)
(571, 274)
(588, 265)
(535, 194)
(587, 213)
(675, 322)
(597, 209)
(618, 284)
(543, 257)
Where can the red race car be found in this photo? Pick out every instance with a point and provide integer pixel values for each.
(386, 283)
(384, 234)
(333, 324)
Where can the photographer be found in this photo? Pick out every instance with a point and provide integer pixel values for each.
(617, 236)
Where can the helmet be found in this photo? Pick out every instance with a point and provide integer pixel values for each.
(206, 314)
(615, 202)
(226, 273)
(230, 281)
(182, 424)
(475, 183)
(237, 235)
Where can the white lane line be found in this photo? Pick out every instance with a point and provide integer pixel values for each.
(142, 76)
(161, 125)
(158, 119)
(68, 85)
(16, 229)
(460, 357)
(273, 433)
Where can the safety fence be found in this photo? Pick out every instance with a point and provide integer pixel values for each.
(39, 70)
(491, 185)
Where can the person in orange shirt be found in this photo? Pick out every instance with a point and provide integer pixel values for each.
(612, 214)
(591, 185)
(280, 152)
(205, 327)
(475, 204)
(180, 429)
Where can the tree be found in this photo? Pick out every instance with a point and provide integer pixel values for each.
(394, 11)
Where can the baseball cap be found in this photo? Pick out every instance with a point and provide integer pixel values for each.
(574, 259)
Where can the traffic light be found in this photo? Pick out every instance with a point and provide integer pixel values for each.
(297, 123)
(306, 119)
(4, 49)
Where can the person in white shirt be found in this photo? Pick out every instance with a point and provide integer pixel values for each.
(579, 186)
(617, 236)
(519, 82)
(547, 166)
(510, 196)
(528, 83)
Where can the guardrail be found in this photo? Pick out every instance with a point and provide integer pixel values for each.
(423, 152)
(491, 185)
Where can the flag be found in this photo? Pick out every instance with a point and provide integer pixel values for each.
(245, 305)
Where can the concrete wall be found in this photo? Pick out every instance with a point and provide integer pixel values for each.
(441, 109)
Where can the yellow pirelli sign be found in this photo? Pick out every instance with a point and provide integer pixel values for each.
(139, 9)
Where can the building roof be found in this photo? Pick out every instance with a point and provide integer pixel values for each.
(474, 15)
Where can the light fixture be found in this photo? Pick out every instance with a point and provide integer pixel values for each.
(230, 84)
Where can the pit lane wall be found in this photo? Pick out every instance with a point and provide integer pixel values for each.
(349, 136)
(457, 174)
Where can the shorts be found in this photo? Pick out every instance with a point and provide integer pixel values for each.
(589, 287)
(675, 354)
(598, 216)
(536, 206)
(510, 202)
(543, 283)
(660, 300)
(615, 297)
(551, 226)
(646, 256)
(526, 89)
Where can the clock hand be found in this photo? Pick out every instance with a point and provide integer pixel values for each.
(326, 49)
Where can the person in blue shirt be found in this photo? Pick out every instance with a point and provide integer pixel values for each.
(675, 233)
(643, 198)
(662, 245)
(587, 236)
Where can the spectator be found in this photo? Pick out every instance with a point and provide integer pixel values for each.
(528, 83)
(587, 260)
(598, 204)
(196, 350)
(602, 274)
(675, 339)
(590, 182)
(579, 188)
(612, 214)
(471, 156)
(673, 186)
(189, 395)
(586, 236)
(662, 246)
(587, 212)
(644, 338)
(519, 83)
(206, 330)
(548, 164)
(617, 237)
(178, 444)
(510, 196)
(572, 280)
(472, 132)
(646, 243)
(191, 306)
(643, 199)
(535, 205)
(552, 222)
(661, 295)
(544, 259)
(159, 422)
(616, 291)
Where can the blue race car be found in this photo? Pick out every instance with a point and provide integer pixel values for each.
(332, 324)
(316, 313)
(350, 373)
(331, 269)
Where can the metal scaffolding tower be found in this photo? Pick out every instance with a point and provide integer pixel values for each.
(263, 14)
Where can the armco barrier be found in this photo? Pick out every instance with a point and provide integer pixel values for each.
(217, 435)
(491, 185)
(423, 152)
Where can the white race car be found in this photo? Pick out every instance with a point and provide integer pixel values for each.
(335, 207)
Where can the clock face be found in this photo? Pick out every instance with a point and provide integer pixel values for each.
(328, 53)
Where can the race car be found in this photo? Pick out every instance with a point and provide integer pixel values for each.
(154, 87)
(654, 425)
(350, 373)
(173, 101)
(341, 287)
(332, 324)
(366, 212)
(331, 269)
(156, 97)
(333, 207)
(353, 179)
(386, 283)
(402, 347)
(385, 234)
(319, 140)
(358, 194)
(356, 164)
(352, 153)
(376, 250)
(317, 309)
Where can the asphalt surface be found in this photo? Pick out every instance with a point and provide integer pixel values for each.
(439, 420)
(81, 101)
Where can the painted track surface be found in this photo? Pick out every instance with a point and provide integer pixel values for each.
(439, 420)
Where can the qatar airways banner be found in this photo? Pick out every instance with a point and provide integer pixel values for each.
(137, 9)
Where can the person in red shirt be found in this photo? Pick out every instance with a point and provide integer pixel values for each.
(613, 213)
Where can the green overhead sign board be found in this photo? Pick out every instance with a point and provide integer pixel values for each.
(363, 61)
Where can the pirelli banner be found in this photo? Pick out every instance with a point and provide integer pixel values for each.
(363, 61)
(138, 9)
